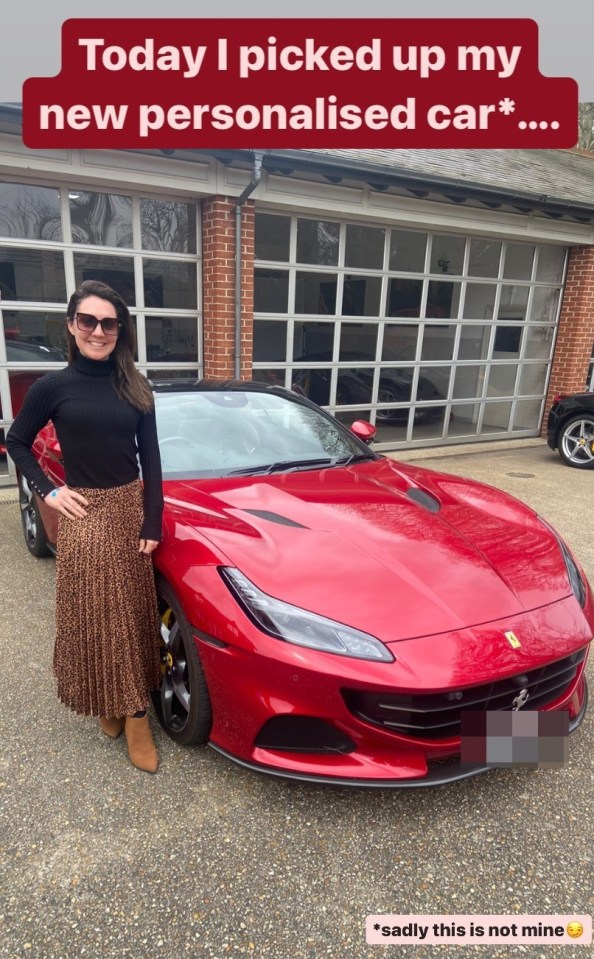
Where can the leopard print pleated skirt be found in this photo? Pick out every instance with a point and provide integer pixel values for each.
(106, 657)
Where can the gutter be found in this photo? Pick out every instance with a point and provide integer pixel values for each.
(255, 179)
(420, 183)
(380, 176)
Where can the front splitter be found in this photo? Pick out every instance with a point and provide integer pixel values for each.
(436, 777)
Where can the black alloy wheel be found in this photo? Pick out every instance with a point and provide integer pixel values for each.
(182, 703)
(33, 529)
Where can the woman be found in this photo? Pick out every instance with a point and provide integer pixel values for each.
(106, 657)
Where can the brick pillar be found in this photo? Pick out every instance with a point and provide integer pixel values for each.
(576, 327)
(248, 218)
(218, 286)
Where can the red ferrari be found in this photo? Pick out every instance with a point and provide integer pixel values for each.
(330, 614)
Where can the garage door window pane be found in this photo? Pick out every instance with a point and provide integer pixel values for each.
(40, 333)
(361, 295)
(407, 251)
(479, 301)
(315, 293)
(404, 297)
(395, 386)
(434, 382)
(496, 418)
(365, 247)
(442, 300)
(272, 235)
(551, 260)
(400, 341)
(170, 284)
(30, 212)
(539, 340)
(313, 341)
(468, 382)
(463, 420)
(354, 386)
(270, 341)
(518, 261)
(101, 219)
(484, 258)
(357, 342)
(171, 339)
(271, 291)
(438, 343)
(273, 377)
(427, 424)
(513, 302)
(317, 242)
(168, 226)
(545, 301)
(502, 380)
(447, 254)
(391, 428)
(32, 275)
(528, 414)
(314, 383)
(533, 377)
(116, 271)
(474, 342)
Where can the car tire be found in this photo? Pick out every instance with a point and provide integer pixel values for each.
(182, 703)
(436, 412)
(33, 528)
(387, 395)
(576, 442)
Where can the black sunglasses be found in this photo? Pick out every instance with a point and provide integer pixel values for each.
(87, 323)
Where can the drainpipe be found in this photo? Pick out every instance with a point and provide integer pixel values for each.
(256, 175)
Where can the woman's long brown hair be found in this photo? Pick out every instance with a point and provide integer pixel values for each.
(128, 382)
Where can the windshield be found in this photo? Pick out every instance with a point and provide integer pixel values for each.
(220, 432)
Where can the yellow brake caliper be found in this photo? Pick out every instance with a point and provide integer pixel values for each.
(166, 658)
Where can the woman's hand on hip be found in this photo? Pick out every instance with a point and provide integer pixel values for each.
(67, 502)
(147, 546)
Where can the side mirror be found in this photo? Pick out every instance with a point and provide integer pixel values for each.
(363, 430)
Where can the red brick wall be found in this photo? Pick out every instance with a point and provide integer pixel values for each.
(576, 327)
(218, 286)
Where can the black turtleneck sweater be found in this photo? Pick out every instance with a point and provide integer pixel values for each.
(102, 436)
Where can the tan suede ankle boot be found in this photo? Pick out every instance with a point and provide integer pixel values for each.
(141, 748)
(112, 727)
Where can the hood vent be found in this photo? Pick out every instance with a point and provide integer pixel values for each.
(423, 498)
(275, 518)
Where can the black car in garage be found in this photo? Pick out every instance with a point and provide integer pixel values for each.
(570, 429)
(354, 386)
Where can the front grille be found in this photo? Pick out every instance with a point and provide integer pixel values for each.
(437, 715)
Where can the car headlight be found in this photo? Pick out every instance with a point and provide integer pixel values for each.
(576, 579)
(299, 626)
